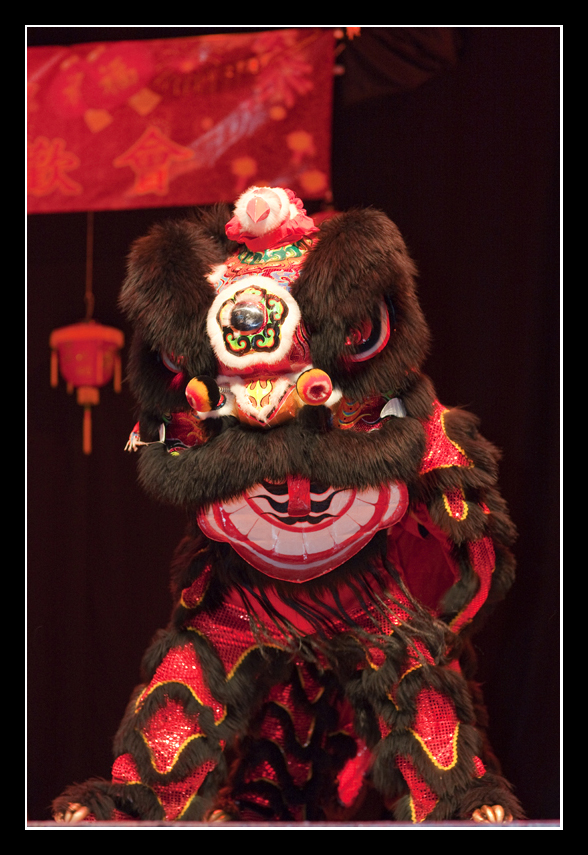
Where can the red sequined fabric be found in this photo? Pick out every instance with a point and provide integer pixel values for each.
(417, 656)
(124, 770)
(479, 767)
(436, 728)
(455, 504)
(441, 451)
(299, 770)
(302, 719)
(312, 688)
(192, 596)
(177, 796)
(228, 631)
(482, 558)
(170, 729)
(422, 798)
(351, 777)
(174, 797)
(168, 732)
(182, 666)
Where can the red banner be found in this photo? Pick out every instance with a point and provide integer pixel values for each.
(188, 121)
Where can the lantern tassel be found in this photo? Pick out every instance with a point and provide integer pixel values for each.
(117, 373)
(54, 368)
(88, 397)
(87, 430)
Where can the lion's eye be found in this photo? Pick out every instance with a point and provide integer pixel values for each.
(172, 362)
(370, 337)
(359, 335)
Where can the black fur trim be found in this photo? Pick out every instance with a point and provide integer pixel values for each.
(103, 798)
(489, 790)
(240, 458)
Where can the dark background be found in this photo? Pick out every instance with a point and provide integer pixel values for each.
(454, 133)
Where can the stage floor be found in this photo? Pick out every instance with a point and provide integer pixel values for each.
(301, 826)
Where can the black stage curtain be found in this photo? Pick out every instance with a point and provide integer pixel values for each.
(456, 139)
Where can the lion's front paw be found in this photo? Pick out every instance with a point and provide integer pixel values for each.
(73, 813)
(491, 813)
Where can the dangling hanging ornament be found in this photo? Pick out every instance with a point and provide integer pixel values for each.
(87, 353)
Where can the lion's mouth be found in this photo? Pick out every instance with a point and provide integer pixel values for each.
(296, 531)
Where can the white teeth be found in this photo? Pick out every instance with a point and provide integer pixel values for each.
(394, 511)
(360, 512)
(371, 496)
(288, 545)
(394, 407)
(344, 529)
(264, 535)
(316, 542)
(242, 518)
(338, 503)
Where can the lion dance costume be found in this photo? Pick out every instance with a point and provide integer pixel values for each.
(346, 537)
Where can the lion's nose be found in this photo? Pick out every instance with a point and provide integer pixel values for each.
(248, 317)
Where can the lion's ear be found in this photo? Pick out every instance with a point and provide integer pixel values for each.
(357, 297)
(167, 285)
(166, 295)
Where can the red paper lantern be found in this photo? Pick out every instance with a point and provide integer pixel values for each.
(88, 356)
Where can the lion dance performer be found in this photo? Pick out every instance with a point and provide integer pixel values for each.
(346, 534)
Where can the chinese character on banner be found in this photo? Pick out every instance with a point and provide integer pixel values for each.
(179, 122)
